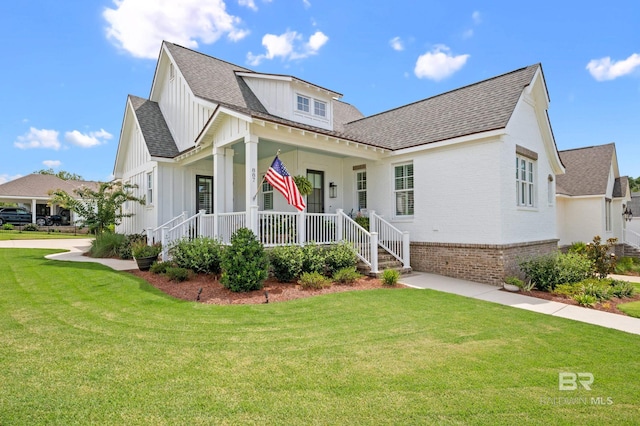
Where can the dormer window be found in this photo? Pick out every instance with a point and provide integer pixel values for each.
(319, 108)
(303, 103)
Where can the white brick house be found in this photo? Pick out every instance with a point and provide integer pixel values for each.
(465, 178)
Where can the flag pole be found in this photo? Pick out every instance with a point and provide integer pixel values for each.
(263, 179)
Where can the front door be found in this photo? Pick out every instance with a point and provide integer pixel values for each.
(315, 200)
(204, 193)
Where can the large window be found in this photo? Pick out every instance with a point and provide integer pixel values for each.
(525, 178)
(607, 213)
(149, 188)
(361, 189)
(311, 106)
(267, 195)
(403, 189)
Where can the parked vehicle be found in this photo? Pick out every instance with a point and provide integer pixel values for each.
(20, 216)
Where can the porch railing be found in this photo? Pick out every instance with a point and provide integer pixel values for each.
(390, 238)
(188, 228)
(632, 238)
(364, 242)
(153, 234)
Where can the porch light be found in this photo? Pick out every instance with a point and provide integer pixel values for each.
(627, 214)
(333, 190)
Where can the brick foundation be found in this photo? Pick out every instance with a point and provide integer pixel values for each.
(484, 263)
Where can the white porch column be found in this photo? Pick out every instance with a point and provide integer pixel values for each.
(251, 179)
(219, 180)
(33, 210)
(228, 173)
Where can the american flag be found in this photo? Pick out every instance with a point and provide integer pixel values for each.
(278, 177)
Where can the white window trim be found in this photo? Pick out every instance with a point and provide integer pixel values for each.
(149, 190)
(607, 215)
(530, 182)
(396, 216)
(358, 191)
(312, 104)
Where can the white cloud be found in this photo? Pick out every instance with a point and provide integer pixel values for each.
(52, 164)
(6, 178)
(38, 138)
(307, 3)
(248, 3)
(396, 44)
(139, 26)
(438, 63)
(288, 46)
(87, 140)
(477, 19)
(604, 69)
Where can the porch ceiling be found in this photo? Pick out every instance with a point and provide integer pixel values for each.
(268, 149)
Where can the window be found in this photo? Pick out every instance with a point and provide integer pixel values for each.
(361, 190)
(319, 108)
(403, 188)
(172, 72)
(149, 188)
(607, 215)
(303, 103)
(267, 195)
(525, 189)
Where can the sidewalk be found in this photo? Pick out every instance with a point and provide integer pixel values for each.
(493, 294)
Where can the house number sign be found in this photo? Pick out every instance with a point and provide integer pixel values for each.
(253, 175)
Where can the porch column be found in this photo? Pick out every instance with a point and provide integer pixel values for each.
(219, 180)
(33, 210)
(251, 179)
(228, 173)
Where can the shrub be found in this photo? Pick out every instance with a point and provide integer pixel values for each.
(30, 227)
(514, 281)
(622, 289)
(347, 275)
(160, 267)
(244, 263)
(124, 250)
(313, 258)
(568, 289)
(313, 280)
(585, 299)
(578, 247)
(107, 245)
(624, 265)
(286, 262)
(140, 249)
(547, 271)
(177, 274)
(390, 277)
(7, 227)
(602, 262)
(597, 288)
(202, 255)
(362, 221)
(340, 256)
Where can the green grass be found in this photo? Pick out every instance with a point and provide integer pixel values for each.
(632, 308)
(37, 235)
(82, 344)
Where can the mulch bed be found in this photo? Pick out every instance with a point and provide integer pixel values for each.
(610, 305)
(214, 293)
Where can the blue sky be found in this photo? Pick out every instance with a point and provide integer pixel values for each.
(69, 66)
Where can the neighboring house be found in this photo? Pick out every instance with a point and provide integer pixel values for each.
(591, 195)
(632, 227)
(457, 184)
(32, 193)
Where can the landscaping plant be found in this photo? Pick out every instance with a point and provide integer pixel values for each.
(177, 274)
(339, 256)
(203, 255)
(547, 271)
(244, 263)
(603, 263)
(313, 258)
(313, 280)
(286, 262)
(347, 275)
(390, 277)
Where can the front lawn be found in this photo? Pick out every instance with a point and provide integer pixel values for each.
(37, 235)
(83, 344)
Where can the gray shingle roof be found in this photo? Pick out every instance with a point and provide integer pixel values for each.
(154, 128)
(586, 170)
(480, 107)
(620, 187)
(38, 186)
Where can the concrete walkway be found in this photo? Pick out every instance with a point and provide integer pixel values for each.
(494, 294)
(460, 287)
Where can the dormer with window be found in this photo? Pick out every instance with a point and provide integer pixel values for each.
(293, 99)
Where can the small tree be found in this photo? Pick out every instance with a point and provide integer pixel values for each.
(602, 262)
(64, 175)
(98, 209)
(245, 265)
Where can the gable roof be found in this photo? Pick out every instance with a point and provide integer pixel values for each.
(480, 107)
(38, 186)
(620, 187)
(154, 128)
(587, 170)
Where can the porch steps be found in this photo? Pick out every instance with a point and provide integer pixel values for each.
(631, 251)
(385, 261)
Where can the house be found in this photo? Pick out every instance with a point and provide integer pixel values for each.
(591, 195)
(32, 193)
(460, 184)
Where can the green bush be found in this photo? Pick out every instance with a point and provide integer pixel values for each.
(625, 265)
(30, 227)
(314, 280)
(585, 299)
(160, 267)
(547, 271)
(202, 255)
(362, 221)
(622, 289)
(340, 256)
(177, 274)
(347, 275)
(602, 262)
(244, 263)
(600, 289)
(578, 247)
(107, 245)
(124, 250)
(568, 289)
(7, 227)
(390, 277)
(313, 258)
(286, 262)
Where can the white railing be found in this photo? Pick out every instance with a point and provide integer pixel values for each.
(321, 228)
(278, 228)
(632, 238)
(188, 228)
(228, 223)
(153, 234)
(365, 243)
(390, 238)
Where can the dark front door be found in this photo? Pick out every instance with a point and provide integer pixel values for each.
(204, 193)
(315, 200)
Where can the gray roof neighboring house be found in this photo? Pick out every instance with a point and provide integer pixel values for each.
(587, 172)
(154, 128)
(38, 186)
